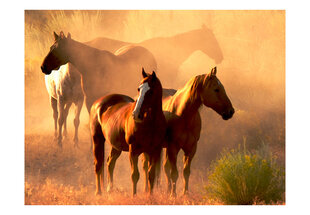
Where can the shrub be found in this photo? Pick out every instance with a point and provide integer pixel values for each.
(241, 177)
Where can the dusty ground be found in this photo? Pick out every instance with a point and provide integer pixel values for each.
(66, 176)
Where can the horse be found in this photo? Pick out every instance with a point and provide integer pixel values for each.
(134, 126)
(181, 110)
(171, 52)
(64, 88)
(102, 71)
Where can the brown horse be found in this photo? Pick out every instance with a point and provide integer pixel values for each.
(102, 71)
(135, 126)
(171, 52)
(184, 122)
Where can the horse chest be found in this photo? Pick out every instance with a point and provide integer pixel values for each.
(182, 132)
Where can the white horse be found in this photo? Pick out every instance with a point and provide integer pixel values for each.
(64, 88)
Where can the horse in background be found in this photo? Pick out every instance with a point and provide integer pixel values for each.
(138, 57)
(171, 52)
(102, 71)
(134, 126)
(64, 88)
(181, 109)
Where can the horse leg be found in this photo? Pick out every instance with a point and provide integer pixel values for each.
(167, 168)
(78, 108)
(66, 112)
(172, 156)
(133, 157)
(88, 104)
(114, 154)
(98, 142)
(154, 159)
(60, 120)
(187, 159)
(55, 113)
(145, 161)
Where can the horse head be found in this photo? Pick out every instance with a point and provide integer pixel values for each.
(57, 55)
(149, 99)
(209, 45)
(213, 95)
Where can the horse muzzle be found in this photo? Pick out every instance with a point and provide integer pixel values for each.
(227, 115)
(45, 70)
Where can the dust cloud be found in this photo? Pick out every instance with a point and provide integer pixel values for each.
(248, 48)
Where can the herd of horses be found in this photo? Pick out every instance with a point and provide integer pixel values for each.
(157, 119)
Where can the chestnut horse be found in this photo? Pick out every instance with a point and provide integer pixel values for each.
(102, 71)
(135, 126)
(181, 110)
(64, 88)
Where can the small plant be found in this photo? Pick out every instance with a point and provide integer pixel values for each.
(241, 177)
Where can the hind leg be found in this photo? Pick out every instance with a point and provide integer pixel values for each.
(172, 153)
(98, 151)
(114, 154)
(78, 108)
(55, 114)
(167, 169)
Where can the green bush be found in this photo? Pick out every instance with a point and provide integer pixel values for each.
(243, 178)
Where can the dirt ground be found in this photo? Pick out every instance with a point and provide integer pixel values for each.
(66, 175)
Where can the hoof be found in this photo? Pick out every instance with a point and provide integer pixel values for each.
(98, 193)
(109, 189)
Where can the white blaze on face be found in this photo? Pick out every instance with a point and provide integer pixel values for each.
(143, 88)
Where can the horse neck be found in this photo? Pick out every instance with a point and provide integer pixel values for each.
(81, 55)
(187, 100)
(187, 42)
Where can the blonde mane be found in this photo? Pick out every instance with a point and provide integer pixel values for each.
(186, 96)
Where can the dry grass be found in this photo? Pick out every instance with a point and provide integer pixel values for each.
(55, 176)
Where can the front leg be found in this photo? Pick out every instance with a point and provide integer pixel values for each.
(133, 157)
(187, 159)
(154, 159)
(145, 161)
(61, 119)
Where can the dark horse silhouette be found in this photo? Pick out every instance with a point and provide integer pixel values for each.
(171, 52)
(102, 71)
(135, 126)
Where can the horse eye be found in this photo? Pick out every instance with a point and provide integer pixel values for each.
(138, 89)
(217, 90)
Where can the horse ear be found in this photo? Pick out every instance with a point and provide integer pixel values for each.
(213, 71)
(62, 35)
(69, 35)
(154, 74)
(143, 73)
(55, 36)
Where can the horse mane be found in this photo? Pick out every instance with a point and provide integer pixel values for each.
(188, 95)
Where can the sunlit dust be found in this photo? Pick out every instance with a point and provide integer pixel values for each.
(248, 49)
